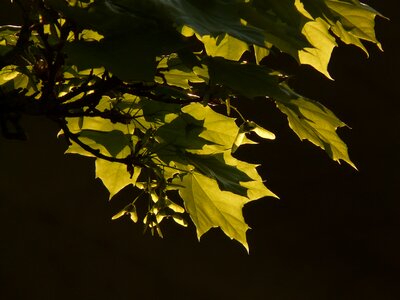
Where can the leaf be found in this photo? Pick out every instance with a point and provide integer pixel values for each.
(256, 188)
(8, 73)
(312, 121)
(78, 124)
(126, 57)
(356, 22)
(215, 192)
(115, 175)
(91, 35)
(11, 78)
(9, 34)
(224, 46)
(279, 22)
(154, 113)
(323, 43)
(229, 178)
(309, 119)
(184, 132)
(220, 130)
(130, 45)
(351, 21)
(210, 207)
(213, 17)
(74, 148)
(113, 143)
(249, 80)
(260, 53)
(181, 78)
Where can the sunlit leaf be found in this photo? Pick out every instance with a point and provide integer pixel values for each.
(323, 43)
(210, 207)
(312, 121)
(219, 129)
(224, 46)
(115, 175)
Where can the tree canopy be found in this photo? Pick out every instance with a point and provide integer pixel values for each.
(150, 90)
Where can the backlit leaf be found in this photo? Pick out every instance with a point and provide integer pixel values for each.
(115, 175)
(210, 207)
(312, 121)
(224, 46)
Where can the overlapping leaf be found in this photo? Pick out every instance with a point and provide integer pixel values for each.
(224, 46)
(309, 119)
(312, 121)
(217, 185)
(351, 21)
(213, 18)
(209, 206)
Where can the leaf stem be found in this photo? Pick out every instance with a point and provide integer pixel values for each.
(238, 112)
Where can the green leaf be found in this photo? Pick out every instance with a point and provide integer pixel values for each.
(351, 21)
(9, 34)
(113, 143)
(115, 175)
(126, 57)
(181, 78)
(220, 130)
(280, 23)
(77, 124)
(210, 207)
(256, 188)
(224, 46)
(91, 35)
(130, 45)
(249, 80)
(312, 121)
(229, 178)
(215, 192)
(323, 43)
(356, 22)
(260, 53)
(149, 114)
(213, 17)
(11, 78)
(184, 132)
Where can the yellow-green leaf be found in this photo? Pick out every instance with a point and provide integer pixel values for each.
(312, 121)
(115, 175)
(224, 46)
(210, 207)
(323, 43)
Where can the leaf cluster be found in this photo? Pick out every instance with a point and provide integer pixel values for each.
(148, 89)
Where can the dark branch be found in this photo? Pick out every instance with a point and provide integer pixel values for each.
(75, 138)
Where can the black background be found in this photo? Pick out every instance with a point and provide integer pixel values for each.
(333, 235)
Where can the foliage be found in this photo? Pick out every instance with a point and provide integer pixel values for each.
(146, 88)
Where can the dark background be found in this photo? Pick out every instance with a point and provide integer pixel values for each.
(333, 235)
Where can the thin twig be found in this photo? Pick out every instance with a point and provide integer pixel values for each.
(75, 138)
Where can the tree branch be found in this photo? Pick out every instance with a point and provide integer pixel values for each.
(75, 138)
